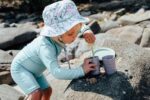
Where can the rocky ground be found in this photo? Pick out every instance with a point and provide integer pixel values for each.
(126, 31)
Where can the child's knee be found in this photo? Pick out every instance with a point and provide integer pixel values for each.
(36, 94)
(48, 91)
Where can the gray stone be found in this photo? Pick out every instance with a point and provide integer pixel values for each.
(5, 58)
(109, 25)
(9, 93)
(120, 12)
(145, 41)
(13, 25)
(145, 24)
(4, 25)
(131, 33)
(85, 13)
(115, 87)
(95, 27)
(98, 16)
(5, 77)
(132, 63)
(16, 36)
(134, 18)
(5, 63)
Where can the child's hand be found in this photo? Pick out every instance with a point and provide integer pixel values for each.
(89, 37)
(87, 66)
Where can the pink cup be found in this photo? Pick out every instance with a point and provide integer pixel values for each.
(95, 60)
(109, 64)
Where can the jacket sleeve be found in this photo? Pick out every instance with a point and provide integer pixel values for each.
(83, 29)
(48, 57)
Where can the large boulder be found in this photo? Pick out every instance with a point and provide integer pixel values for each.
(145, 41)
(5, 57)
(9, 93)
(131, 82)
(5, 62)
(134, 18)
(15, 36)
(133, 76)
(109, 25)
(131, 33)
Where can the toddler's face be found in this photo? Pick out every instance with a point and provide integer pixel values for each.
(71, 35)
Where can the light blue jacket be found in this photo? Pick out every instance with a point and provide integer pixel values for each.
(41, 54)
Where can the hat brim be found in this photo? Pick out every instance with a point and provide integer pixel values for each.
(62, 27)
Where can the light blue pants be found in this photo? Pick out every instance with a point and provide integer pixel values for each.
(26, 80)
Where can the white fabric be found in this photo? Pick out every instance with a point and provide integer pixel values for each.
(60, 17)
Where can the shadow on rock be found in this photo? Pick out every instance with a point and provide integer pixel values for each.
(116, 86)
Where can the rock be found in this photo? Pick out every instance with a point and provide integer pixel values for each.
(145, 24)
(115, 87)
(120, 12)
(85, 13)
(31, 18)
(147, 49)
(5, 78)
(4, 67)
(101, 16)
(134, 18)
(4, 25)
(108, 25)
(132, 63)
(2, 15)
(13, 25)
(13, 52)
(16, 36)
(145, 41)
(130, 33)
(9, 93)
(5, 58)
(20, 17)
(112, 4)
(140, 11)
(10, 15)
(5, 62)
(95, 27)
(97, 16)
(113, 17)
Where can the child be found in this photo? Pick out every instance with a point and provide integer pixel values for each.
(62, 25)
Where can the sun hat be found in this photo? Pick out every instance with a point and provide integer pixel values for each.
(60, 17)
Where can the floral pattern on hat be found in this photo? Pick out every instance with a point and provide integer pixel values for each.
(59, 17)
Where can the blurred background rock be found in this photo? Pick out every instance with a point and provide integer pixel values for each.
(123, 25)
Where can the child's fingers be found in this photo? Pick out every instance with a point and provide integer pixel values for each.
(92, 65)
(91, 69)
(87, 61)
(90, 38)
